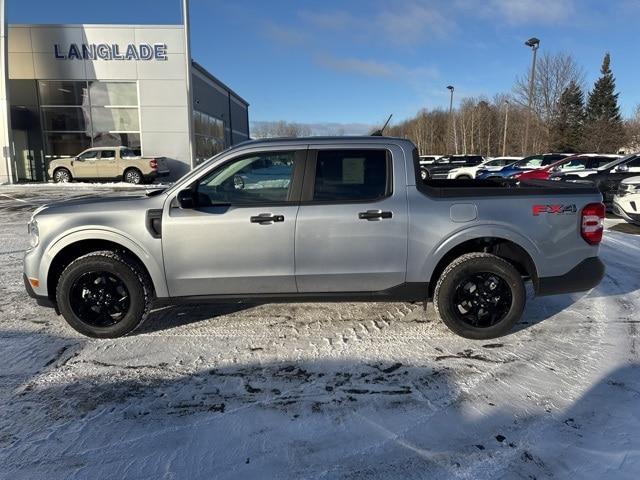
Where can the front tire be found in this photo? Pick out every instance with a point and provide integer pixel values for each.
(62, 175)
(463, 177)
(104, 294)
(480, 296)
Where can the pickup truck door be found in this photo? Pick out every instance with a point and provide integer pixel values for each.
(351, 233)
(107, 164)
(84, 165)
(239, 237)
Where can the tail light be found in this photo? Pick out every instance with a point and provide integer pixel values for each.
(153, 163)
(592, 223)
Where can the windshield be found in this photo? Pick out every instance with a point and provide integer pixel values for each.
(531, 161)
(617, 161)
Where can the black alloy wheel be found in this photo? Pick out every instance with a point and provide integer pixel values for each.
(482, 299)
(100, 299)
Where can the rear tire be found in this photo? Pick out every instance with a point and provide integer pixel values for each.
(62, 175)
(132, 175)
(104, 294)
(480, 296)
(463, 177)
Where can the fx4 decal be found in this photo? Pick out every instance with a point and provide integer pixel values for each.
(554, 209)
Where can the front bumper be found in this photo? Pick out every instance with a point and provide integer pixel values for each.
(584, 276)
(624, 209)
(41, 300)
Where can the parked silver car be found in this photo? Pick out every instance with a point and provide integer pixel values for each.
(316, 219)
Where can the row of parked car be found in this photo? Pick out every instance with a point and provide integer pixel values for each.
(616, 176)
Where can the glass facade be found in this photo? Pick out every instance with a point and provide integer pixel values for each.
(78, 114)
(209, 136)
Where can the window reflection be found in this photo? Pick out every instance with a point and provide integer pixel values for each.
(77, 115)
(209, 136)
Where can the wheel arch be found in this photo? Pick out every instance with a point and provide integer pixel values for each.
(70, 247)
(502, 244)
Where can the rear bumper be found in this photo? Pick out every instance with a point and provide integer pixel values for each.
(41, 300)
(584, 276)
(156, 174)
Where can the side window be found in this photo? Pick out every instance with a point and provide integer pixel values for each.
(574, 164)
(635, 164)
(351, 175)
(534, 162)
(474, 160)
(127, 153)
(91, 154)
(598, 162)
(260, 178)
(549, 159)
(108, 155)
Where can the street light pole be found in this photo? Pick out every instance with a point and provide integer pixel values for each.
(186, 29)
(506, 123)
(452, 120)
(534, 43)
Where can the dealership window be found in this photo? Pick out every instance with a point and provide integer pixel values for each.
(77, 115)
(209, 135)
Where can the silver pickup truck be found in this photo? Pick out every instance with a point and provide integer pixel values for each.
(317, 219)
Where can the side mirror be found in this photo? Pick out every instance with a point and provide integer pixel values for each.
(623, 168)
(185, 198)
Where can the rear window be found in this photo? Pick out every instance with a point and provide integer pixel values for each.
(127, 153)
(351, 175)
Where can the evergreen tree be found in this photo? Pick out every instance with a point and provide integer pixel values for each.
(567, 126)
(604, 127)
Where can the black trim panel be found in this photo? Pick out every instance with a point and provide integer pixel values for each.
(405, 292)
(584, 276)
(154, 222)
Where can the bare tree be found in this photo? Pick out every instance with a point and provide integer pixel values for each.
(554, 73)
(280, 129)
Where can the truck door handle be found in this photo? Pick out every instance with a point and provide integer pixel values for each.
(374, 215)
(266, 218)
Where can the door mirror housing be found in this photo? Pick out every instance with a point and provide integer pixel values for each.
(622, 168)
(186, 198)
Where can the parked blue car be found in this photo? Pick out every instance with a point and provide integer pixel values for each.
(528, 163)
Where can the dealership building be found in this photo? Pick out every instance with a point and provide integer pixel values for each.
(66, 88)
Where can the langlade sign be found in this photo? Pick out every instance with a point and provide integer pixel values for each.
(106, 51)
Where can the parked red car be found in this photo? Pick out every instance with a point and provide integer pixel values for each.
(582, 162)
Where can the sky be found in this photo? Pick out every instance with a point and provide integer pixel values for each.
(355, 62)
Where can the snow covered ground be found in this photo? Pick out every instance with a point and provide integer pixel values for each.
(320, 391)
